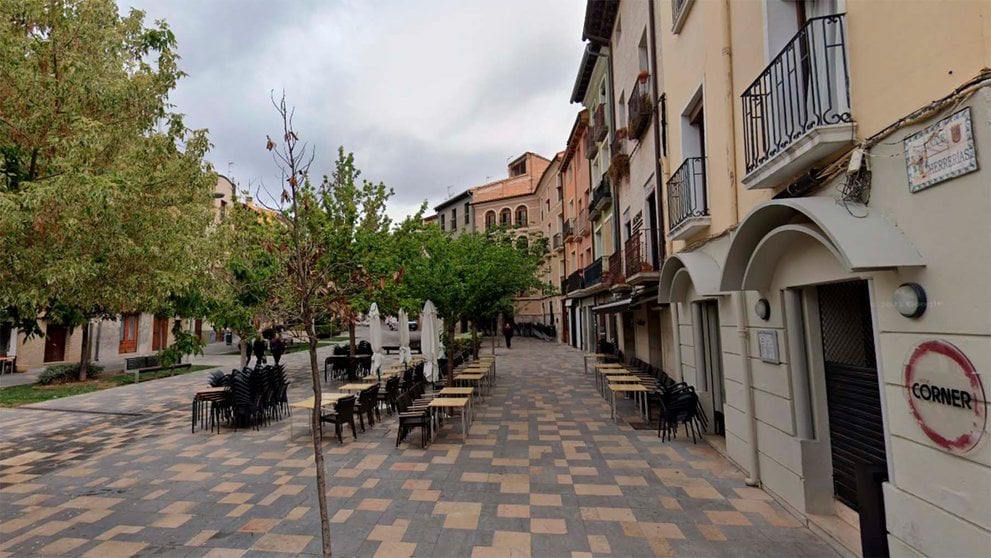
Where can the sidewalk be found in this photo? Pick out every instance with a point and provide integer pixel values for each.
(545, 472)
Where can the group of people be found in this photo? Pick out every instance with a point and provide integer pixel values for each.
(276, 345)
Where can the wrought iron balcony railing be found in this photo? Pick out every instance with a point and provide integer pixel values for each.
(556, 241)
(640, 106)
(574, 282)
(616, 276)
(686, 192)
(601, 197)
(805, 86)
(593, 273)
(599, 126)
(568, 228)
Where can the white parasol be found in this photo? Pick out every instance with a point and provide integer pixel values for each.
(428, 341)
(375, 338)
(405, 354)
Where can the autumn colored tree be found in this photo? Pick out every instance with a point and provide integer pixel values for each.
(104, 194)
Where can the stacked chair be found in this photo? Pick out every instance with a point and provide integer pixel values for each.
(254, 397)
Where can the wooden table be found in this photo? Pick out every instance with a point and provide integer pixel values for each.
(469, 378)
(458, 392)
(354, 387)
(587, 356)
(623, 379)
(449, 403)
(202, 397)
(326, 399)
(600, 368)
(636, 389)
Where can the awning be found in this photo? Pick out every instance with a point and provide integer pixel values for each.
(612, 307)
(643, 297)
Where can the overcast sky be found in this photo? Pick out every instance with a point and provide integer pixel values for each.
(432, 96)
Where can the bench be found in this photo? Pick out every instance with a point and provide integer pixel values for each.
(148, 364)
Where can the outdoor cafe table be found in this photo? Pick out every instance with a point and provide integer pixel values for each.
(326, 399)
(587, 356)
(200, 400)
(636, 389)
(600, 367)
(472, 379)
(458, 392)
(483, 370)
(608, 374)
(354, 387)
(463, 403)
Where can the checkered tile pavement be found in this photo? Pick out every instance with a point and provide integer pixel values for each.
(544, 472)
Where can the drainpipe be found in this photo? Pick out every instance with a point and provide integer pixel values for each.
(612, 134)
(659, 189)
(730, 100)
(748, 382)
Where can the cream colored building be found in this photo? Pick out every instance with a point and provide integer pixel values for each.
(822, 192)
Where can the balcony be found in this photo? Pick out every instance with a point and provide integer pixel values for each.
(591, 146)
(556, 242)
(593, 274)
(642, 260)
(601, 198)
(581, 224)
(640, 106)
(568, 229)
(616, 277)
(599, 127)
(574, 282)
(797, 111)
(688, 208)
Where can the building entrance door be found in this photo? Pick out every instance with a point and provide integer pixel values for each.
(159, 333)
(709, 359)
(55, 343)
(856, 430)
(128, 342)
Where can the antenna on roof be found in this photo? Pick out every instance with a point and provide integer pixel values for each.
(449, 193)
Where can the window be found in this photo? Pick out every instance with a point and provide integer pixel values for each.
(518, 168)
(467, 214)
(506, 217)
(442, 221)
(642, 50)
(454, 219)
(521, 220)
(490, 219)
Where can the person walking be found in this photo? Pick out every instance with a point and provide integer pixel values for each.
(258, 347)
(277, 346)
(507, 331)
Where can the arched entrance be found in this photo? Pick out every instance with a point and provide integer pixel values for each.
(814, 263)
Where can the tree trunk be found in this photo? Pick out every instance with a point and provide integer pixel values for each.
(84, 353)
(474, 340)
(449, 326)
(244, 351)
(315, 432)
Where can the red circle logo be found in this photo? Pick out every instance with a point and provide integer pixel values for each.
(946, 396)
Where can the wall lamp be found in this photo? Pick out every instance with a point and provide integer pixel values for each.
(910, 300)
(763, 309)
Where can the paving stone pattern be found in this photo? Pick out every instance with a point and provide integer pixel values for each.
(544, 472)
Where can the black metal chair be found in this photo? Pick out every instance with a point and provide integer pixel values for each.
(408, 420)
(342, 414)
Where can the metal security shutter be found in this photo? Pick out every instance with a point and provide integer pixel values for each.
(852, 392)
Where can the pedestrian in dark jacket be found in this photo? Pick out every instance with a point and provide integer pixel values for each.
(507, 330)
(258, 347)
(277, 346)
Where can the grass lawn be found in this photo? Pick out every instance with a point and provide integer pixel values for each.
(16, 396)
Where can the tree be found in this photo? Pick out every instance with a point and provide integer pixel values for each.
(104, 195)
(474, 275)
(248, 286)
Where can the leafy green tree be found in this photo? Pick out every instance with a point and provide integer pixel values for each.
(475, 275)
(248, 286)
(104, 195)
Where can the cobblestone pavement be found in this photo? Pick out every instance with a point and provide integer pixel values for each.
(544, 472)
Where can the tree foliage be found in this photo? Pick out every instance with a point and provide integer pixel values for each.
(104, 195)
